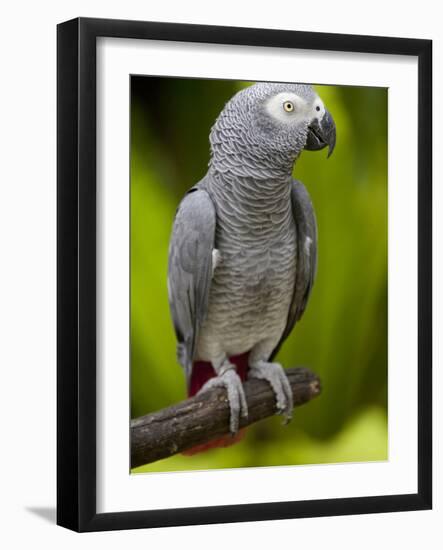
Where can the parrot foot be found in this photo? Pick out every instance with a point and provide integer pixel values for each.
(274, 373)
(228, 378)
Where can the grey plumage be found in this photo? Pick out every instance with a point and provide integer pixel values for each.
(306, 231)
(190, 270)
(243, 250)
(252, 286)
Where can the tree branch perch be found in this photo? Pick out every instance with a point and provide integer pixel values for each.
(206, 416)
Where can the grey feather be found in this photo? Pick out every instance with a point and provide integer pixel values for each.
(261, 223)
(190, 270)
(306, 234)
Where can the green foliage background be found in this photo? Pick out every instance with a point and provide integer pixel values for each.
(343, 334)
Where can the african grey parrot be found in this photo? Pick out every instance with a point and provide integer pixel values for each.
(243, 250)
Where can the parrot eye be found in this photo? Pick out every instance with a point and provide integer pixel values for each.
(288, 106)
(317, 108)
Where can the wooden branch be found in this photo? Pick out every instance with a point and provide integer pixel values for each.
(204, 417)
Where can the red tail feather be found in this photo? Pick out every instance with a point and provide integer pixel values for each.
(202, 371)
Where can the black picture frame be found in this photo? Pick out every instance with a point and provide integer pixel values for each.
(76, 273)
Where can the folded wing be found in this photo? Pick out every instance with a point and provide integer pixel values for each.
(306, 265)
(190, 270)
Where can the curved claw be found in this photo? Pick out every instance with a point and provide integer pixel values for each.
(276, 376)
(229, 379)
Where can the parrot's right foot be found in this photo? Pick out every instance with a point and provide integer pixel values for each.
(228, 378)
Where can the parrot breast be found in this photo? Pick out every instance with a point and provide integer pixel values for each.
(253, 283)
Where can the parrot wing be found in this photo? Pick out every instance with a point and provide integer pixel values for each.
(190, 270)
(306, 265)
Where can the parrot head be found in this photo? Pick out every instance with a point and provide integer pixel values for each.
(273, 121)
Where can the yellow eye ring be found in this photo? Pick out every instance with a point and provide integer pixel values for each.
(288, 106)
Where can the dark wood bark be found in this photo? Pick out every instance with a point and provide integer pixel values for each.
(205, 417)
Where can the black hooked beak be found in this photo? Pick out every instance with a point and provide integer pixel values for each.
(321, 133)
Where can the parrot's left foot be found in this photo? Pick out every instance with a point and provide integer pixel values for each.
(275, 374)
